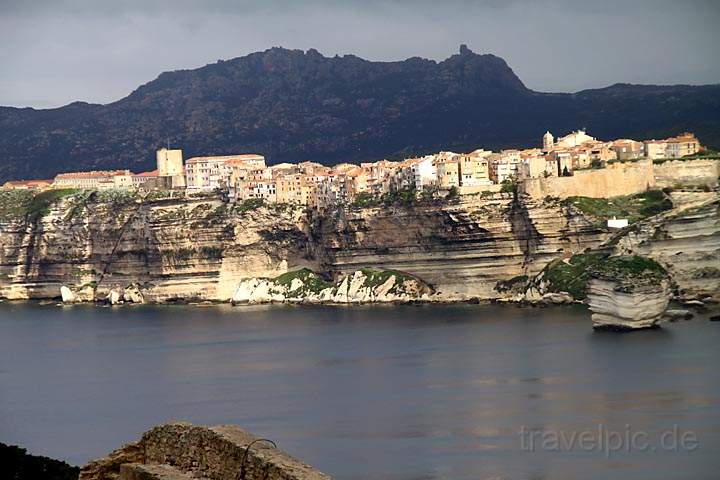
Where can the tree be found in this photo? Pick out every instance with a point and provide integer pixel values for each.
(507, 186)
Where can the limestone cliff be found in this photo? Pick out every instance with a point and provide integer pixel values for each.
(195, 248)
(361, 286)
(462, 249)
(627, 292)
(160, 250)
(618, 308)
(686, 241)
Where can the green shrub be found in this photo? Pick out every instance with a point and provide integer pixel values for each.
(179, 255)
(507, 186)
(633, 207)
(405, 197)
(250, 204)
(40, 204)
(572, 276)
(375, 278)
(312, 283)
(117, 196)
(14, 203)
(631, 270)
(365, 200)
(17, 464)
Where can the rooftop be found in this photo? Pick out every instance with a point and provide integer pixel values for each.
(93, 174)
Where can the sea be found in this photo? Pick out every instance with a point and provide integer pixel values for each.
(412, 392)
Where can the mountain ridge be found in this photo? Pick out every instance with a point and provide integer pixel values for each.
(294, 105)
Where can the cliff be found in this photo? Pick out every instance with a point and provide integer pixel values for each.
(186, 249)
(190, 249)
(462, 249)
(685, 241)
(118, 246)
(628, 280)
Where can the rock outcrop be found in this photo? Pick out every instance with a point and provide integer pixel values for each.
(628, 293)
(615, 307)
(362, 286)
(686, 241)
(182, 451)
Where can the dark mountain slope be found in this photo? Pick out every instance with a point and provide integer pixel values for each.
(292, 105)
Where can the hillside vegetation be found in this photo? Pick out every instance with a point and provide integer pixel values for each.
(291, 105)
(632, 207)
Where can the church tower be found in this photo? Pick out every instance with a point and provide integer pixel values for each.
(548, 141)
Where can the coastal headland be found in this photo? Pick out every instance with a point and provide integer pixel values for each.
(129, 247)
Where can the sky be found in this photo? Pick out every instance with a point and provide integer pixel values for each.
(53, 52)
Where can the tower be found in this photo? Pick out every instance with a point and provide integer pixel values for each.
(169, 162)
(548, 141)
(170, 168)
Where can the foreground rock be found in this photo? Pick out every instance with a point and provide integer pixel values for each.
(185, 451)
(628, 293)
(17, 464)
(362, 286)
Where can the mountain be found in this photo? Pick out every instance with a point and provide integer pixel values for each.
(292, 105)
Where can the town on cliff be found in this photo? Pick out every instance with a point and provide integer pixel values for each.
(623, 226)
(246, 176)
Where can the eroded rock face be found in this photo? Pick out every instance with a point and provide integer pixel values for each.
(154, 251)
(362, 286)
(201, 249)
(616, 306)
(685, 241)
(185, 451)
(463, 250)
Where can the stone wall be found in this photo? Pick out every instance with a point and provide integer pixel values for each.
(615, 180)
(185, 451)
(675, 173)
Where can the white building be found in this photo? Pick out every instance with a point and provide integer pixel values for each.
(424, 173)
(548, 141)
(617, 222)
(573, 139)
(209, 173)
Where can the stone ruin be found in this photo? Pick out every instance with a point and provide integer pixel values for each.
(182, 451)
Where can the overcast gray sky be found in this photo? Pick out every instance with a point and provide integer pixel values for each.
(53, 52)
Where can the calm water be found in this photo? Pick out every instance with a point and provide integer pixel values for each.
(413, 392)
